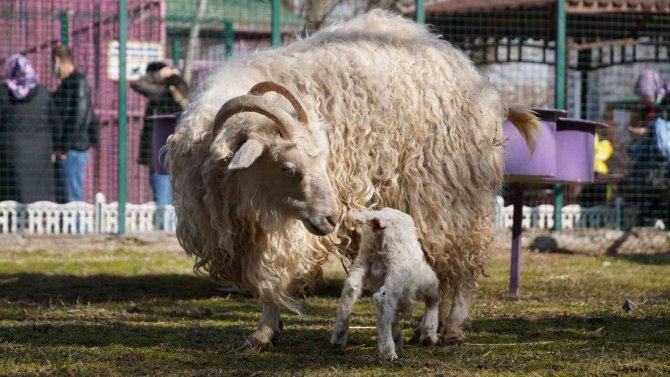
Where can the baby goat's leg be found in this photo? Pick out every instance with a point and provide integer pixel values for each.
(386, 304)
(429, 323)
(353, 287)
(397, 334)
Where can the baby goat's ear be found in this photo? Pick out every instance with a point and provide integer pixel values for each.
(246, 155)
(376, 226)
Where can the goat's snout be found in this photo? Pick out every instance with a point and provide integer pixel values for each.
(332, 219)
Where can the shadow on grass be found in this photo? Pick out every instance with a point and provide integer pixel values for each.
(304, 347)
(569, 327)
(644, 258)
(36, 288)
(40, 288)
(549, 244)
(179, 333)
(326, 287)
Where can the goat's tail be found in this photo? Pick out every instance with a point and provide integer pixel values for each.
(526, 122)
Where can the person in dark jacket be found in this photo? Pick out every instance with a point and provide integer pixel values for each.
(29, 125)
(647, 181)
(167, 93)
(73, 101)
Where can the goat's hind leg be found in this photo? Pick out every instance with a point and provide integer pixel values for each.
(387, 305)
(464, 295)
(443, 312)
(429, 323)
(396, 332)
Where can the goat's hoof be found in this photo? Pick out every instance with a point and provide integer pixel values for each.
(257, 343)
(253, 346)
(429, 340)
(453, 339)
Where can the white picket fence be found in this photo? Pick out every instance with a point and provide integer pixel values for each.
(102, 217)
(83, 218)
(572, 216)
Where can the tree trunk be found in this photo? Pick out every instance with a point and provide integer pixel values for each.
(193, 40)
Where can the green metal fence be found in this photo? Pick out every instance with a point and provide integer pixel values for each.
(578, 55)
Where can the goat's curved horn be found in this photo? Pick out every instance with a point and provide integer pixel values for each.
(269, 86)
(254, 104)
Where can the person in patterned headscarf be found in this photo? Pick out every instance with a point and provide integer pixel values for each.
(29, 124)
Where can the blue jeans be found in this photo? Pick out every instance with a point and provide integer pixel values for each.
(74, 169)
(160, 187)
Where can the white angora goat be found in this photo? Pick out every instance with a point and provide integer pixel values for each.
(279, 145)
(389, 261)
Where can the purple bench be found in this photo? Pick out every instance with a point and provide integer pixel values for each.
(563, 154)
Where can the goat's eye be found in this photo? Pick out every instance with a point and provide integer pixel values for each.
(291, 171)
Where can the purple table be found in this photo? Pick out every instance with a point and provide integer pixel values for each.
(163, 127)
(563, 154)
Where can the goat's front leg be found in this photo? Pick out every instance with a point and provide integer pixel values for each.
(387, 304)
(353, 287)
(267, 331)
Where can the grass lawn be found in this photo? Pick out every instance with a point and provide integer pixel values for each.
(134, 311)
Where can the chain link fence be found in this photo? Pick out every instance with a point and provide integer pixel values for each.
(60, 153)
(616, 55)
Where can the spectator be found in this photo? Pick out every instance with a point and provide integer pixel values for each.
(647, 183)
(167, 93)
(73, 101)
(28, 127)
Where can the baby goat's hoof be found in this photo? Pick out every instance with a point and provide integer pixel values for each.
(399, 341)
(388, 354)
(416, 336)
(338, 340)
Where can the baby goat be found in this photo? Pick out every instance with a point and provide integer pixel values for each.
(390, 261)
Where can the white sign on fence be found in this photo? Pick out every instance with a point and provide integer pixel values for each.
(138, 55)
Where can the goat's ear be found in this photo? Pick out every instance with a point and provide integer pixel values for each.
(246, 155)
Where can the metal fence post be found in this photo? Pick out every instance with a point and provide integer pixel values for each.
(64, 29)
(276, 22)
(123, 120)
(176, 51)
(420, 12)
(559, 94)
(229, 38)
(618, 205)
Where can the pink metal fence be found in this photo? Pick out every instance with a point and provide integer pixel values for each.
(33, 27)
